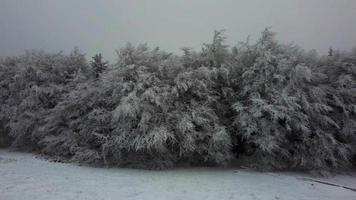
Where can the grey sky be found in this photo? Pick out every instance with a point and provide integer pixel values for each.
(103, 26)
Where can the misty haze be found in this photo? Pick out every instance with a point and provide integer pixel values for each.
(166, 99)
(96, 26)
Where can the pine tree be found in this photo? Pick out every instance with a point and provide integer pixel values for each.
(98, 65)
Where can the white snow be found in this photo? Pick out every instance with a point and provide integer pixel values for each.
(23, 176)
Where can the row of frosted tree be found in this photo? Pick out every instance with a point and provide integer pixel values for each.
(270, 105)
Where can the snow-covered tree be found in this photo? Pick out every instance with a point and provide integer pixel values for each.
(98, 65)
(273, 105)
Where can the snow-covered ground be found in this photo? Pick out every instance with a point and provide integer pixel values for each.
(23, 176)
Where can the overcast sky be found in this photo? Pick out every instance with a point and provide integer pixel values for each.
(105, 25)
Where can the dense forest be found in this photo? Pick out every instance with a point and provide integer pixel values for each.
(270, 105)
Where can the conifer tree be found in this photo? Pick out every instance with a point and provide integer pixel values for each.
(98, 65)
(272, 105)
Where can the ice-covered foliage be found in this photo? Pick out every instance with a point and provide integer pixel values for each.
(270, 104)
(31, 85)
(144, 112)
(284, 116)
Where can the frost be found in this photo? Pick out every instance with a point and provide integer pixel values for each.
(274, 104)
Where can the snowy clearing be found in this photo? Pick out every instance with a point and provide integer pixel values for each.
(23, 176)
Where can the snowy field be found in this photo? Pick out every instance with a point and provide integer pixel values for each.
(23, 176)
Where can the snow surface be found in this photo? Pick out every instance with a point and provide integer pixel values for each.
(23, 176)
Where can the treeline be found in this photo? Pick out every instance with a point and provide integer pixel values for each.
(275, 106)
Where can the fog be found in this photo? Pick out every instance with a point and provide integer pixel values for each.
(103, 26)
